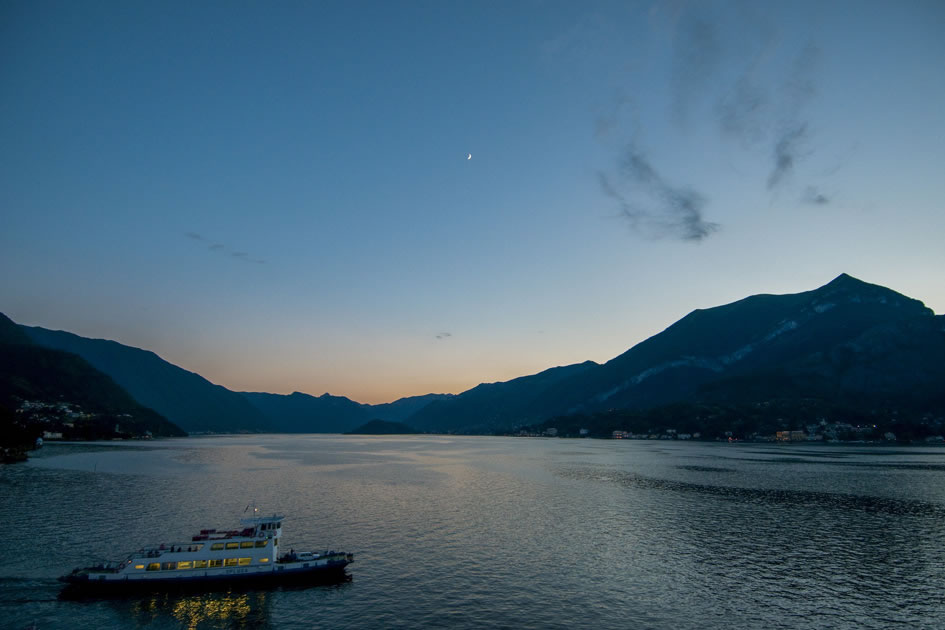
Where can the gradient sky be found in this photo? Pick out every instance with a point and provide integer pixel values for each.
(277, 195)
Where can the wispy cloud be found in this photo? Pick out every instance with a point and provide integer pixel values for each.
(444, 335)
(813, 196)
(786, 153)
(733, 75)
(220, 248)
(698, 54)
(649, 202)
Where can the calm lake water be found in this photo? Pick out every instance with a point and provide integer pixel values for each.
(470, 532)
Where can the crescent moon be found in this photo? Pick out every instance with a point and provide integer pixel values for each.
(469, 156)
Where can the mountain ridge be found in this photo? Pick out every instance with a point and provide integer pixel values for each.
(827, 340)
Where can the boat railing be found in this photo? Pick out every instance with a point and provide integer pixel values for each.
(157, 552)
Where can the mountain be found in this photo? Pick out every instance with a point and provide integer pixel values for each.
(54, 381)
(303, 413)
(848, 341)
(403, 408)
(494, 406)
(186, 398)
(383, 427)
(745, 339)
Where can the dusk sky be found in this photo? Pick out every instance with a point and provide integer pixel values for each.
(277, 196)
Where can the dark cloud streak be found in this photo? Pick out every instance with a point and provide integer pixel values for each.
(672, 210)
(786, 153)
(695, 63)
(222, 249)
(814, 197)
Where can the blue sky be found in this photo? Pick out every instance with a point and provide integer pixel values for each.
(278, 197)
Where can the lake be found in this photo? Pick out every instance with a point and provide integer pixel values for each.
(472, 532)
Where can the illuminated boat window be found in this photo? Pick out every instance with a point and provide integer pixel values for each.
(262, 543)
(246, 544)
(139, 566)
(168, 566)
(264, 559)
(233, 545)
(216, 563)
(216, 546)
(245, 561)
(200, 564)
(186, 564)
(231, 562)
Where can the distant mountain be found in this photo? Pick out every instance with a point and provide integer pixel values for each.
(494, 406)
(848, 341)
(187, 399)
(403, 408)
(383, 427)
(303, 413)
(30, 373)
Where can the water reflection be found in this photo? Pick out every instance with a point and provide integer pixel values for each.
(209, 610)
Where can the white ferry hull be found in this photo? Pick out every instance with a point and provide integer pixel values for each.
(89, 581)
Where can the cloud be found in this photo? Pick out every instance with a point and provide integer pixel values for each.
(658, 207)
(696, 59)
(222, 249)
(732, 74)
(444, 335)
(814, 197)
(786, 152)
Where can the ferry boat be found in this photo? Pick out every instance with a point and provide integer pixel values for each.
(213, 558)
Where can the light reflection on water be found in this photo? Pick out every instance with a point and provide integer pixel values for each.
(498, 532)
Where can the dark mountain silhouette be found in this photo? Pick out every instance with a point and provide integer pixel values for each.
(744, 340)
(187, 399)
(383, 427)
(403, 408)
(494, 406)
(302, 413)
(847, 341)
(30, 373)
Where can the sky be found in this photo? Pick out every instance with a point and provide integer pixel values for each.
(279, 196)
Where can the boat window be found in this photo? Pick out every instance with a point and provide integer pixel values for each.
(216, 546)
(216, 563)
(262, 543)
(231, 562)
(154, 566)
(187, 564)
(246, 544)
(245, 561)
(264, 559)
(168, 566)
(139, 566)
(198, 547)
(233, 545)
(275, 542)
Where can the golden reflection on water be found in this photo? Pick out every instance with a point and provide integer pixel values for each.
(230, 610)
